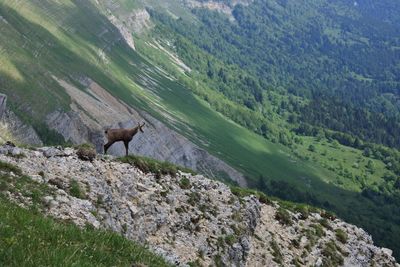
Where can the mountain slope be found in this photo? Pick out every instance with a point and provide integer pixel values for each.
(69, 69)
(97, 52)
(61, 93)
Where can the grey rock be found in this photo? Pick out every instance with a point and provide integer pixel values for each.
(52, 152)
(16, 151)
(6, 149)
(3, 104)
(387, 251)
(21, 132)
(37, 178)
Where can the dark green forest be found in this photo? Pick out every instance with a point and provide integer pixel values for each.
(313, 51)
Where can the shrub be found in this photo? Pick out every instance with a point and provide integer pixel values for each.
(230, 239)
(194, 198)
(86, 152)
(7, 167)
(303, 210)
(341, 236)
(243, 192)
(276, 252)
(283, 216)
(324, 222)
(331, 254)
(318, 230)
(218, 261)
(75, 189)
(195, 263)
(328, 215)
(184, 183)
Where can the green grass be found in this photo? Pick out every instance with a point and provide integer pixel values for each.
(341, 236)
(7, 168)
(283, 216)
(149, 165)
(75, 189)
(349, 168)
(29, 239)
(332, 255)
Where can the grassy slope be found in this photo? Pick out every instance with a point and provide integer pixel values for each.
(72, 51)
(30, 239)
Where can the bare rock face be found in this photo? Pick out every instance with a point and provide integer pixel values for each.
(3, 103)
(225, 7)
(138, 21)
(20, 132)
(189, 218)
(135, 22)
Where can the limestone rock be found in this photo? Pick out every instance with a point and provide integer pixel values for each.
(204, 222)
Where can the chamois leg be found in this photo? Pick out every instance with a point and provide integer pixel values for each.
(107, 146)
(126, 147)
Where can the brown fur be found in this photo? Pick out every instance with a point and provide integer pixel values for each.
(124, 135)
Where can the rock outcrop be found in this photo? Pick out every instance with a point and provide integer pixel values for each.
(225, 7)
(12, 125)
(3, 103)
(189, 218)
(136, 21)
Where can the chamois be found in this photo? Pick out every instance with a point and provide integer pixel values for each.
(125, 135)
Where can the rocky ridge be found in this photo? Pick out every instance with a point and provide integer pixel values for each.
(188, 218)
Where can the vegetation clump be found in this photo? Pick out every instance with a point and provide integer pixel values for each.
(324, 222)
(86, 152)
(303, 210)
(230, 239)
(8, 168)
(75, 189)
(319, 231)
(283, 216)
(149, 165)
(276, 252)
(341, 236)
(243, 192)
(194, 198)
(332, 255)
(184, 183)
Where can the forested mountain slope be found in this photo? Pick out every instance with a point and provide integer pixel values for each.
(325, 51)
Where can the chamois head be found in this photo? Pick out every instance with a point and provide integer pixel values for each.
(141, 126)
